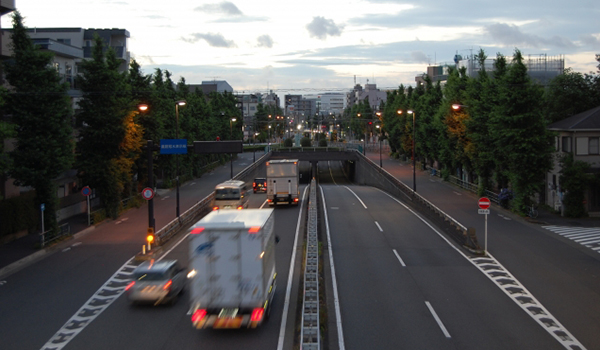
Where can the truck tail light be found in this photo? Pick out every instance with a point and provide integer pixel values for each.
(215, 208)
(295, 199)
(198, 315)
(257, 314)
(167, 285)
(130, 285)
(240, 207)
(197, 230)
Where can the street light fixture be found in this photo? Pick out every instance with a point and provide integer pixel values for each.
(177, 104)
(413, 152)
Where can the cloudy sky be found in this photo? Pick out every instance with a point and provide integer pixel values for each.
(322, 45)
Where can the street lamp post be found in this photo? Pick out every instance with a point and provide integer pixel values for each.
(413, 152)
(177, 104)
(380, 162)
(231, 138)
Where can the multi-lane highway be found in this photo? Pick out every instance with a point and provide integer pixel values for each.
(401, 284)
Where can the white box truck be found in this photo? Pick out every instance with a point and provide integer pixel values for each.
(283, 180)
(232, 268)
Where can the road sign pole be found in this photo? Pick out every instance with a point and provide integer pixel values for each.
(42, 209)
(485, 239)
(88, 210)
(150, 147)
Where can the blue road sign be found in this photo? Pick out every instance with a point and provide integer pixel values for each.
(43, 206)
(173, 146)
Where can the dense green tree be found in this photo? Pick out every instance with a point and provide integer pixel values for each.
(479, 104)
(41, 113)
(574, 180)
(521, 133)
(105, 105)
(427, 134)
(568, 94)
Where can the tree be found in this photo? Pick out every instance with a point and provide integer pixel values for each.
(480, 101)
(568, 94)
(521, 133)
(105, 106)
(574, 180)
(41, 113)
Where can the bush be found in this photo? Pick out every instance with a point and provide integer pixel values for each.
(288, 142)
(305, 142)
(322, 143)
(18, 214)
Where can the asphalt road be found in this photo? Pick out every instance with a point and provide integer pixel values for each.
(391, 268)
(400, 284)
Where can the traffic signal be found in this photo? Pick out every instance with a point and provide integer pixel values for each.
(370, 123)
(150, 237)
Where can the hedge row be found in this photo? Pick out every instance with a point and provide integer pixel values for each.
(18, 214)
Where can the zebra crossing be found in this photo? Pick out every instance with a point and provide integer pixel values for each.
(586, 236)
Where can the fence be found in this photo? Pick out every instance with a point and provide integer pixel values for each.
(63, 231)
(467, 185)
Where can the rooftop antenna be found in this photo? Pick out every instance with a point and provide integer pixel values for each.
(355, 79)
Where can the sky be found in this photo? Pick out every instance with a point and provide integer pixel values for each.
(314, 46)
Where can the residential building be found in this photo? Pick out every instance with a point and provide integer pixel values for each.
(580, 136)
(370, 93)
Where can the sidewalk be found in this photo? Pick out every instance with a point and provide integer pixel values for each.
(545, 217)
(28, 247)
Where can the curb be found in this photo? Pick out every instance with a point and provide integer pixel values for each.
(30, 259)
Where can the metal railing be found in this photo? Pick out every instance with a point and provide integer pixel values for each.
(63, 230)
(200, 208)
(310, 338)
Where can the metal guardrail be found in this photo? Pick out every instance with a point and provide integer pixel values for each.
(203, 206)
(63, 230)
(310, 338)
(465, 237)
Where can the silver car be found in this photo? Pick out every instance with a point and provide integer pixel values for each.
(156, 282)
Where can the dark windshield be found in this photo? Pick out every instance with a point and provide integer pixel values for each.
(150, 276)
(227, 193)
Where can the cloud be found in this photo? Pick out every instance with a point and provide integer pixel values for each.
(213, 39)
(419, 56)
(265, 41)
(320, 27)
(225, 8)
(591, 40)
(511, 35)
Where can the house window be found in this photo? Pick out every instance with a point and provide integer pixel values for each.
(556, 143)
(566, 143)
(593, 145)
(582, 146)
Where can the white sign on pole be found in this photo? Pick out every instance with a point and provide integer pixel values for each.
(483, 211)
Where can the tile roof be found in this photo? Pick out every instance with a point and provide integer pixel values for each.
(588, 120)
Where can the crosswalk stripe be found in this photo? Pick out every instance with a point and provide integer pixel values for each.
(586, 236)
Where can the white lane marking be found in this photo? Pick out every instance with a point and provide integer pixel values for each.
(361, 202)
(66, 249)
(330, 172)
(379, 227)
(334, 208)
(456, 193)
(2, 283)
(587, 237)
(76, 244)
(399, 258)
(192, 184)
(504, 217)
(437, 319)
(490, 267)
(124, 219)
(100, 301)
(288, 291)
(163, 198)
(336, 299)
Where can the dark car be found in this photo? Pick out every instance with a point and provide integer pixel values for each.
(259, 185)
